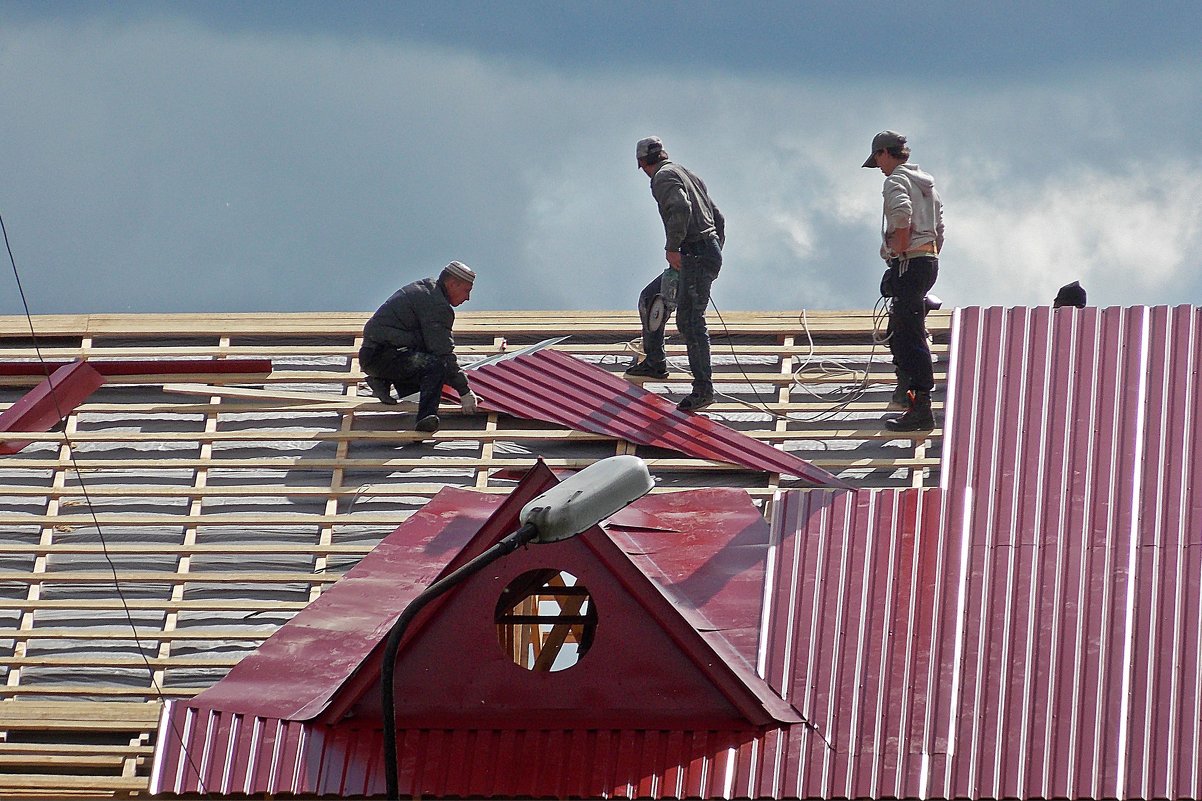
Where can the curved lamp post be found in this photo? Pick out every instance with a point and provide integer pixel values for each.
(575, 505)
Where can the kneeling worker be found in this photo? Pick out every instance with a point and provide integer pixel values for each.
(408, 344)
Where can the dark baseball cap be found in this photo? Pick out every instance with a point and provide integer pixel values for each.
(883, 141)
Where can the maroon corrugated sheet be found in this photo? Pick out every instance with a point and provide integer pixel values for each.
(113, 367)
(558, 388)
(1077, 432)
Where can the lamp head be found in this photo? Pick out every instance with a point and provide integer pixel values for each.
(582, 501)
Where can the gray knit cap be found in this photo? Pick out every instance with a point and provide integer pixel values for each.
(458, 269)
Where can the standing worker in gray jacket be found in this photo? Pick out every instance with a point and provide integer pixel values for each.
(912, 237)
(695, 232)
(408, 343)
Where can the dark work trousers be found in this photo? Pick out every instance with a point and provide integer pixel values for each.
(699, 266)
(654, 311)
(907, 319)
(409, 371)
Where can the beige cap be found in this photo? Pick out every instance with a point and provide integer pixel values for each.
(458, 269)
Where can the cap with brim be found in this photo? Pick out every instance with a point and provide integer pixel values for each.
(648, 146)
(461, 271)
(883, 141)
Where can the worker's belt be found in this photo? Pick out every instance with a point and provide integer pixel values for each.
(929, 249)
(699, 245)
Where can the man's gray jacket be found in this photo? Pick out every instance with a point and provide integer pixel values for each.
(418, 317)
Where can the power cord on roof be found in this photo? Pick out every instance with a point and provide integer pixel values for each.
(79, 473)
(858, 387)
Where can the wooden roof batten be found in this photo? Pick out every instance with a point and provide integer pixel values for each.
(229, 503)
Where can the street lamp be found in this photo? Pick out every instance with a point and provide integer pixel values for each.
(574, 505)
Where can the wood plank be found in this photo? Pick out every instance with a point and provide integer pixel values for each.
(127, 326)
(872, 430)
(580, 348)
(17, 782)
(78, 715)
(137, 604)
(15, 750)
(273, 395)
(166, 577)
(122, 661)
(303, 463)
(93, 689)
(143, 634)
(266, 547)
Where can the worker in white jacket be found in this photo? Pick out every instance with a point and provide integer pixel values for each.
(911, 240)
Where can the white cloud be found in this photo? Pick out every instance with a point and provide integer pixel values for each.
(1130, 238)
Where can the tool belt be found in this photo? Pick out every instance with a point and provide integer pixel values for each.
(929, 249)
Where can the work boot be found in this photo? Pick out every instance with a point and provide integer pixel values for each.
(918, 418)
(381, 389)
(428, 424)
(695, 401)
(645, 369)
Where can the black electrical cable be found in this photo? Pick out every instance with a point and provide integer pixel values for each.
(835, 408)
(79, 474)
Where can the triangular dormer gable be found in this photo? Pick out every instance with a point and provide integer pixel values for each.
(656, 658)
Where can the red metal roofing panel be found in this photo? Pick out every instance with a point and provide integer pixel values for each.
(852, 629)
(42, 407)
(706, 551)
(558, 388)
(296, 672)
(1077, 431)
(318, 759)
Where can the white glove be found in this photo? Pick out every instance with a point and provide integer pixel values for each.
(468, 402)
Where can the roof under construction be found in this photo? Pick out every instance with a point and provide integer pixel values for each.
(1006, 583)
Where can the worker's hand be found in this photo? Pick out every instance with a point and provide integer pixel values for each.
(468, 402)
(673, 257)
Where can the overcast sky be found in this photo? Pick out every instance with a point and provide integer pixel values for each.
(315, 156)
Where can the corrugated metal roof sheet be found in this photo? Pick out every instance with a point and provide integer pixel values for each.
(1078, 431)
(555, 387)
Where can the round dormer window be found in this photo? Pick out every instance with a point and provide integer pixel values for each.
(545, 620)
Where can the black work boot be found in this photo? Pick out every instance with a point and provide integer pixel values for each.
(381, 389)
(919, 417)
(428, 424)
(696, 400)
(646, 369)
